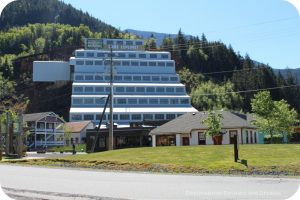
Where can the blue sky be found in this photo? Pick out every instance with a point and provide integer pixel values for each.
(268, 30)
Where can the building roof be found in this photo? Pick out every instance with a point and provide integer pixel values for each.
(77, 127)
(36, 116)
(193, 121)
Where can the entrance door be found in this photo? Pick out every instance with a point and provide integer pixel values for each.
(202, 138)
(231, 135)
(185, 141)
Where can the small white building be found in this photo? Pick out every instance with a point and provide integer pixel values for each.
(188, 129)
(78, 131)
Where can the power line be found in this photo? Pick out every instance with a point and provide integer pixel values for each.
(253, 90)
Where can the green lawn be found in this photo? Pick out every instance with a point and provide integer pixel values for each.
(78, 148)
(281, 159)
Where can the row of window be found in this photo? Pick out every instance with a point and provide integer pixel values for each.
(124, 63)
(118, 89)
(130, 55)
(124, 117)
(137, 78)
(123, 42)
(132, 101)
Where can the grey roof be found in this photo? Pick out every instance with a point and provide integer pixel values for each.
(193, 121)
(35, 116)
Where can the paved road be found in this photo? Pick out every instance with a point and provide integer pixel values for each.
(129, 185)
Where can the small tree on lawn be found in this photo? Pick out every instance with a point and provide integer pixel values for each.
(213, 123)
(272, 116)
(67, 134)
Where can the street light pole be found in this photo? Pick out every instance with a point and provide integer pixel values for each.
(111, 124)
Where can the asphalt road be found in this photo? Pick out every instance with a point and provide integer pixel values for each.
(88, 184)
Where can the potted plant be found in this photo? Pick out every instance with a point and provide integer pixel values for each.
(213, 123)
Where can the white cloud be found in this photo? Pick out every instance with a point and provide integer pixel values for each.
(296, 4)
(3, 4)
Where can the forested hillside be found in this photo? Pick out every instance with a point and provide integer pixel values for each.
(23, 12)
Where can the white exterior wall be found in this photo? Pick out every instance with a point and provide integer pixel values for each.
(194, 138)
(178, 140)
(51, 71)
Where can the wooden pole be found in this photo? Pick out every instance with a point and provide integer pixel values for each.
(7, 134)
(236, 151)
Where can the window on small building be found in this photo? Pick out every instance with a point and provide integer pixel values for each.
(143, 101)
(88, 89)
(79, 62)
(89, 101)
(165, 78)
(132, 101)
(98, 62)
(174, 101)
(152, 64)
(136, 117)
(146, 78)
(121, 101)
(132, 55)
(125, 63)
(76, 117)
(150, 89)
(89, 77)
(170, 116)
(159, 116)
(129, 89)
(155, 78)
(77, 101)
(148, 117)
(89, 62)
(124, 117)
(100, 55)
(179, 89)
(127, 78)
(160, 89)
(140, 89)
(137, 78)
(134, 63)
(98, 78)
(78, 89)
(120, 89)
(143, 64)
(164, 101)
(153, 101)
(164, 56)
(174, 78)
(170, 64)
(89, 54)
(79, 77)
(153, 55)
(170, 90)
(99, 89)
(79, 54)
(88, 117)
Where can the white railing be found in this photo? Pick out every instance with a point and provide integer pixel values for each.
(49, 130)
(50, 143)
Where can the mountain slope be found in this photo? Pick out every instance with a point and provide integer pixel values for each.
(22, 12)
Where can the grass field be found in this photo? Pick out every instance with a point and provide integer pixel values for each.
(78, 148)
(280, 159)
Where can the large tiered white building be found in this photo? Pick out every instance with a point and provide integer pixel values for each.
(146, 86)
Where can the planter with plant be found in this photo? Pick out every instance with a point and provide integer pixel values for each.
(213, 123)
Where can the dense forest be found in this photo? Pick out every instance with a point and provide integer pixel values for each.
(23, 12)
(215, 75)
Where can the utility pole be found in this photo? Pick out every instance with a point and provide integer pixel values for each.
(7, 137)
(111, 122)
(20, 136)
(1, 142)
